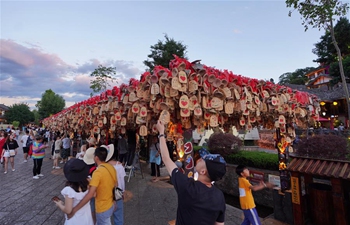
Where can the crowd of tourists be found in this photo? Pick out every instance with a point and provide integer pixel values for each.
(99, 165)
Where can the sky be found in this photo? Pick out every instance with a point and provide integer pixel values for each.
(57, 44)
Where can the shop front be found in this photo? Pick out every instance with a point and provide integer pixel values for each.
(320, 191)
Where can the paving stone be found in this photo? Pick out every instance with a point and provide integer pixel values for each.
(24, 200)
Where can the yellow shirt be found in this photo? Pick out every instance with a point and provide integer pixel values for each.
(104, 182)
(245, 194)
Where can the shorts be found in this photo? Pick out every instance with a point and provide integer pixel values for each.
(65, 153)
(25, 150)
(56, 156)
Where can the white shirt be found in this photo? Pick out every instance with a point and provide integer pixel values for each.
(120, 175)
(24, 140)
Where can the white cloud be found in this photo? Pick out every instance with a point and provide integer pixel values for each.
(27, 72)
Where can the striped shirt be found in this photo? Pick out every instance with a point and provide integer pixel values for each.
(38, 150)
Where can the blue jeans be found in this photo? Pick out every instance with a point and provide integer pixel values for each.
(118, 215)
(104, 218)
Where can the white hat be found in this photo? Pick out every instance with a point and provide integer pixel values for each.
(91, 140)
(89, 156)
(110, 150)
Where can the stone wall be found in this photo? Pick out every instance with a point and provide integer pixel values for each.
(229, 185)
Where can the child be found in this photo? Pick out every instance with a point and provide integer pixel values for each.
(57, 152)
(38, 156)
(76, 172)
(246, 197)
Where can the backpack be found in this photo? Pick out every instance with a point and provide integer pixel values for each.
(29, 142)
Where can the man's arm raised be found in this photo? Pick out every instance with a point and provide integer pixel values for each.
(169, 164)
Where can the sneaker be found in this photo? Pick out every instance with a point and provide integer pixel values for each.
(40, 175)
(53, 167)
(13, 170)
(57, 167)
(61, 162)
(5, 172)
(35, 177)
(25, 161)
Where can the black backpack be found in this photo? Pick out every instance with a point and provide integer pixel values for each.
(29, 142)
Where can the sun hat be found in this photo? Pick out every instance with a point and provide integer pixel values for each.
(75, 170)
(110, 150)
(91, 140)
(216, 164)
(89, 156)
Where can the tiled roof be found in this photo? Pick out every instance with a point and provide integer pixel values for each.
(321, 167)
(322, 93)
(4, 107)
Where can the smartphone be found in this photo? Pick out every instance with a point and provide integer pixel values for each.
(55, 199)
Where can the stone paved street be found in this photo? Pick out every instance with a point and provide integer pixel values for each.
(24, 200)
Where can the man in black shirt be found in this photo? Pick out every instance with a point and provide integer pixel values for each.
(131, 134)
(199, 201)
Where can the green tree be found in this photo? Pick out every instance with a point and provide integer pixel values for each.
(162, 53)
(335, 73)
(50, 103)
(36, 116)
(19, 112)
(103, 75)
(296, 77)
(15, 124)
(320, 14)
(325, 50)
